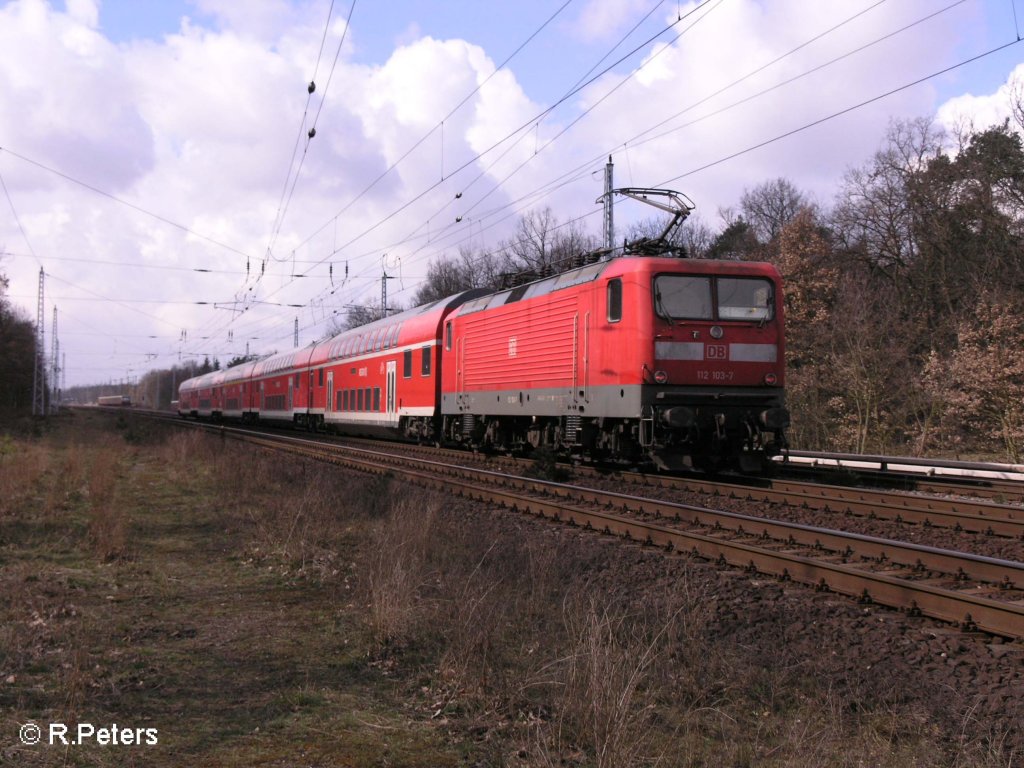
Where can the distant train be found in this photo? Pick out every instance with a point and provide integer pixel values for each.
(114, 400)
(638, 359)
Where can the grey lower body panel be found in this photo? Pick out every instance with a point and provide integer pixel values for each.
(623, 402)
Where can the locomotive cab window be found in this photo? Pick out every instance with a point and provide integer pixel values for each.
(688, 297)
(744, 299)
(683, 297)
(614, 300)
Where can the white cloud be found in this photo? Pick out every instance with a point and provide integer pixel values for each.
(982, 111)
(602, 20)
(84, 12)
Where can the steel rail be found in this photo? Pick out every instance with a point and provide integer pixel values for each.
(985, 517)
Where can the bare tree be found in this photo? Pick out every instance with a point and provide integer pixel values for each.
(540, 243)
(770, 206)
(1017, 100)
(874, 216)
(470, 269)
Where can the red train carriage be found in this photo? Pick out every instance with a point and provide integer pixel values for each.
(678, 360)
(384, 378)
(379, 379)
(196, 396)
(274, 386)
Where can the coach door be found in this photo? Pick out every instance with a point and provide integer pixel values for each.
(389, 395)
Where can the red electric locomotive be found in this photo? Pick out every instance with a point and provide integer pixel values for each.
(679, 360)
(675, 360)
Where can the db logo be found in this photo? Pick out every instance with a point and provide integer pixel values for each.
(715, 352)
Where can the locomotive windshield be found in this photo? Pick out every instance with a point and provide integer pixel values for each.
(681, 296)
(687, 297)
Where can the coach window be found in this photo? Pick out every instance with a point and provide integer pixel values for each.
(448, 335)
(376, 398)
(344, 400)
(407, 364)
(320, 378)
(360, 399)
(378, 338)
(615, 300)
(426, 361)
(298, 380)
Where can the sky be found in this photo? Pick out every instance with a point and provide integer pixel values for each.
(157, 163)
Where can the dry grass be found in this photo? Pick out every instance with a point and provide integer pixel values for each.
(108, 518)
(22, 465)
(606, 703)
(395, 570)
(336, 609)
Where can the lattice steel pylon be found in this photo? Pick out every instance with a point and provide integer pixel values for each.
(39, 371)
(609, 211)
(54, 366)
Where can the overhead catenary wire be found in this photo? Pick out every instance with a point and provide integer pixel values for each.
(732, 84)
(565, 97)
(452, 111)
(17, 220)
(825, 118)
(121, 201)
(283, 211)
(302, 126)
(583, 169)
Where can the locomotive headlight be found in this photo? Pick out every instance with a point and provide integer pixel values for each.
(660, 377)
(770, 378)
(716, 331)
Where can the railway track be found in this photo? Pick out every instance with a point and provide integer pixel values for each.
(971, 591)
(959, 513)
(999, 482)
